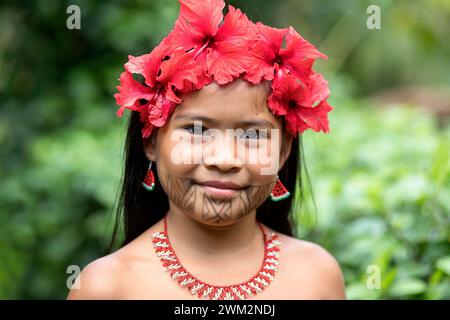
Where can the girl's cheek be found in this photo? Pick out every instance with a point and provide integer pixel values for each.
(183, 150)
(260, 176)
(263, 162)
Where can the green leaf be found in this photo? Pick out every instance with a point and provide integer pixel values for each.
(403, 288)
(443, 264)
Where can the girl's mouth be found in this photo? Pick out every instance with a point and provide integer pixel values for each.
(220, 189)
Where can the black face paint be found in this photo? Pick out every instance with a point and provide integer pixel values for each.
(207, 207)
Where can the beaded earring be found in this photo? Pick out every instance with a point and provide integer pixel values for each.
(279, 191)
(149, 181)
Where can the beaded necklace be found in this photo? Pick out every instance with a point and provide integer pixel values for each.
(240, 291)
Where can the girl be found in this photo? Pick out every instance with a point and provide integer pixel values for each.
(213, 134)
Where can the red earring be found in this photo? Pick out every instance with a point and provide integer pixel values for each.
(279, 191)
(149, 181)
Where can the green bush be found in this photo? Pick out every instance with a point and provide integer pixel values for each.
(382, 184)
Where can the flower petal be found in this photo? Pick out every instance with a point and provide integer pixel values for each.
(148, 64)
(228, 56)
(204, 15)
(179, 68)
(316, 118)
(264, 53)
(319, 87)
(130, 91)
(170, 95)
(299, 54)
(147, 128)
(198, 20)
(160, 111)
(288, 90)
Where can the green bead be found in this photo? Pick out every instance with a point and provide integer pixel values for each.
(148, 188)
(275, 199)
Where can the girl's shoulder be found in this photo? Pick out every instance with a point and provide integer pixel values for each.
(302, 264)
(109, 277)
(311, 266)
(98, 279)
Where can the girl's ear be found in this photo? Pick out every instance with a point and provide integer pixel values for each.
(285, 149)
(149, 145)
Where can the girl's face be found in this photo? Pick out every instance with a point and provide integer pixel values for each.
(220, 134)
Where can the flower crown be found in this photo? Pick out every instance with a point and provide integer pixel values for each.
(204, 47)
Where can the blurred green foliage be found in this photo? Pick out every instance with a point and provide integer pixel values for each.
(381, 178)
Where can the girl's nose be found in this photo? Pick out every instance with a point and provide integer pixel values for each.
(222, 153)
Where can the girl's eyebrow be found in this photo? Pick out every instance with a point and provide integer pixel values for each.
(245, 123)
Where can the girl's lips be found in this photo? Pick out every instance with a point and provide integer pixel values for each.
(220, 184)
(219, 192)
(219, 189)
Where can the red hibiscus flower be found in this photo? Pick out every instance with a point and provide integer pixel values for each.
(268, 55)
(221, 49)
(166, 72)
(296, 101)
(318, 87)
(315, 118)
(265, 53)
(205, 46)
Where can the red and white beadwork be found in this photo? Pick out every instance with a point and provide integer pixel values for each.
(240, 291)
(279, 192)
(149, 180)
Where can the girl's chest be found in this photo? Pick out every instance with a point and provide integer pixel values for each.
(287, 284)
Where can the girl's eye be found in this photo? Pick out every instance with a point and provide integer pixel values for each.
(248, 134)
(195, 129)
(254, 134)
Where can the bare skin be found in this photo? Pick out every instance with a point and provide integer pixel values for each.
(216, 239)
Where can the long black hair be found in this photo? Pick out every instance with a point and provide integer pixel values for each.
(138, 209)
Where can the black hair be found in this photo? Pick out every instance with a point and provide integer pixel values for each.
(139, 209)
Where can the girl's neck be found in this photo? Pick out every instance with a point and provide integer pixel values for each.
(200, 239)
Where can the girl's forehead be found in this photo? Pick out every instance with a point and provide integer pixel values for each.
(238, 96)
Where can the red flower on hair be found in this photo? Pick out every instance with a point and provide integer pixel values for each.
(222, 49)
(318, 87)
(297, 102)
(268, 55)
(166, 72)
(205, 46)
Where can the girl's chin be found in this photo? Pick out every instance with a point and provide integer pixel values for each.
(219, 223)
